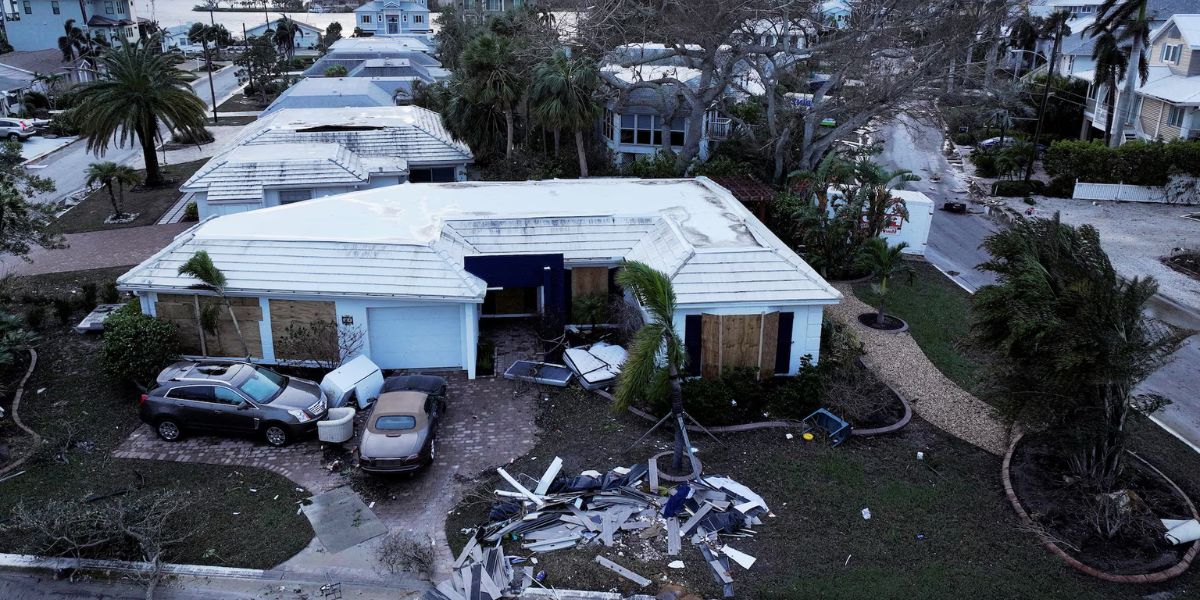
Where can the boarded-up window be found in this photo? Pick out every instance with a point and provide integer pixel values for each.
(734, 341)
(285, 313)
(220, 337)
(589, 280)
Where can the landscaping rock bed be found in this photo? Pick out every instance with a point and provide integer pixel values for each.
(1068, 517)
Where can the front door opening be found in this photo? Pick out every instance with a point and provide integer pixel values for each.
(513, 302)
(393, 24)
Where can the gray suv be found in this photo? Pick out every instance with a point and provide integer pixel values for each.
(232, 397)
(16, 129)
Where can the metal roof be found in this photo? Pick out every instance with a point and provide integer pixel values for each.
(410, 132)
(241, 174)
(338, 92)
(410, 240)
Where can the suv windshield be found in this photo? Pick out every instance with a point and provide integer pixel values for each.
(263, 384)
(395, 422)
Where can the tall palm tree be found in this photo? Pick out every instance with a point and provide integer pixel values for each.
(112, 175)
(140, 91)
(492, 78)
(884, 262)
(73, 42)
(285, 34)
(1128, 17)
(1023, 34)
(1111, 64)
(200, 266)
(657, 358)
(564, 98)
(1055, 27)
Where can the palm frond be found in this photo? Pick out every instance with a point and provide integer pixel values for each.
(200, 266)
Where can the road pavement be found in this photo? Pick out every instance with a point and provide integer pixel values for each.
(68, 167)
(954, 247)
(25, 585)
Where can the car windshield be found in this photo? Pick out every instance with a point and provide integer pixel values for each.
(263, 384)
(395, 422)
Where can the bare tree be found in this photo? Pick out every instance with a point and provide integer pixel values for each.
(324, 344)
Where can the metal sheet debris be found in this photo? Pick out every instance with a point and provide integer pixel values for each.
(622, 571)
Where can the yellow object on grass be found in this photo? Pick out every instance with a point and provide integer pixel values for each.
(808, 437)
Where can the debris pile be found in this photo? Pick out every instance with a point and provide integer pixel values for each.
(623, 507)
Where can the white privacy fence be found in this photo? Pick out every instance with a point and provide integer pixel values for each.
(1179, 191)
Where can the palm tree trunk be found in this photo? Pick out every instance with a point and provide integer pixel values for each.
(199, 324)
(1125, 106)
(1109, 108)
(676, 396)
(508, 129)
(237, 327)
(113, 197)
(153, 174)
(579, 147)
(557, 142)
(880, 317)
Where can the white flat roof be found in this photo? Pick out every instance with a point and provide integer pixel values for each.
(692, 229)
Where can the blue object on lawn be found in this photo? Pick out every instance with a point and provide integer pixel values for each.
(675, 502)
(833, 426)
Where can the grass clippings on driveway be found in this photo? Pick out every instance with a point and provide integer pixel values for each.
(940, 528)
(240, 516)
(150, 204)
(938, 315)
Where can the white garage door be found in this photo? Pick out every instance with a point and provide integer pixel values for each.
(416, 337)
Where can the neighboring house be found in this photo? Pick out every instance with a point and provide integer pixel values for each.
(306, 39)
(260, 176)
(48, 63)
(380, 47)
(1077, 8)
(37, 24)
(343, 92)
(13, 85)
(482, 9)
(416, 66)
(1165, 106)
(1076, 54)
(410, 133)
(176, 37)
(415, 269)
(392, 17)
(834, 13)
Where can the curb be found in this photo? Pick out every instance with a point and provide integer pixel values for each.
(1155, 577)
(894, 427)
(27, 162)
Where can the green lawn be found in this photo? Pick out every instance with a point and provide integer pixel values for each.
(938, 315)
(68, 397)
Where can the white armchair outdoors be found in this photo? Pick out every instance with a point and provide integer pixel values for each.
(338, 427)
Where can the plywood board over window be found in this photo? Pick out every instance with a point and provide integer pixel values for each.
(739, 341)
(285, 313)
(589, 280)
(184, 311)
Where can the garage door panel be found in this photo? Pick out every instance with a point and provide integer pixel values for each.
(416, 337)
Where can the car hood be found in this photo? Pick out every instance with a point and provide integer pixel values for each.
(299, 393)
(401, 445)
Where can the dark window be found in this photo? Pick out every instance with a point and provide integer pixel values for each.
(121, 7)
(692, 337)
(201, 393)
(55, 8)
(395, 422)
(436, 175)
(108, 8)
(783, 343)
(28, 7)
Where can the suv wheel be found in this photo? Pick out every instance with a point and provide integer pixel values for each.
(276, 435)
(169, 430)
(13, 136)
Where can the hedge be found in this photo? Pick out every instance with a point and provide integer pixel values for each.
(1018, 188)
(1134, 163)
(137, 346)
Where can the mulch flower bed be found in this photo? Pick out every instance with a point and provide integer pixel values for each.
(1071, 514)
(1187, 263)
(890, 323)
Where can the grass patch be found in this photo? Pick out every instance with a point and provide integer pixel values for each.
(940, 528)
(230, 121)
(69, 397)
(150, 204)
(242, 103)
(939, 318)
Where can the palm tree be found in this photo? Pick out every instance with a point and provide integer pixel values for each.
(1023, 34)
(656, 360)
(200, 266)
(286, 31)
(140, 90)
(492, 79)
(1111, 64)
(1128, 17)
(564, 98)
(1055, 26)
(112, 175)
(874, 191)
(73, 42)
(884, 262)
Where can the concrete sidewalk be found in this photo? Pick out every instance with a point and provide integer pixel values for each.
(96, 250)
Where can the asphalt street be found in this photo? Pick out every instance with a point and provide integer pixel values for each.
(954, 247)
(68, 167)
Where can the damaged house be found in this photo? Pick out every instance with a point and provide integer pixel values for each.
(415, 268)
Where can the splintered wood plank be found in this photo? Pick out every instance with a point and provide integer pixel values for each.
(692, 522)
(622, 571)
(673, 542)
(652, 466)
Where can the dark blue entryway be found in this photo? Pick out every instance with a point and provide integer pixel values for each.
(524, 270)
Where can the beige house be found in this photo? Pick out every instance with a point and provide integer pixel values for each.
(1167, 105)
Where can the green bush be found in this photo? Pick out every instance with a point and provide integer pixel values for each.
(660, 165)
(137, 346)
(191, 212)
(964, 139)
(110, 295)
(64, 309)
(1135, 163)
(1018, 188)
(87, 296)
(336, 71)
(589, 309)
(1062, 186)
(721, 166)
(985, 163)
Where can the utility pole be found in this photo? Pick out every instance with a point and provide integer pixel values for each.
(1057, 22)
(212, 89)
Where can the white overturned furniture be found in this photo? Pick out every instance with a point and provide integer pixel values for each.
(338, 427)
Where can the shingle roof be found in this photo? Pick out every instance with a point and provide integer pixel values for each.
(241, 174)
(409, 132)
(410, 241)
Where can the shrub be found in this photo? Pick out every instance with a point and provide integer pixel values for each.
(336, 71)
(14, 339)
(722, 165)
(87, 296)
(1018, 188)
(589, 309)
(1062, 186)
(110, 295)
(985, 163)
(191, 212)
(325, 344)
(1134, 163)
(739, 396)
(660, 165)
(137, 346)
(204, 136)
(64, 124)
(64, 309)
(964, 139)
(35, 316)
